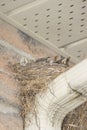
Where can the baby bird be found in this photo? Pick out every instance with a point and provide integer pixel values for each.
(52, 60)
(23, 61)
(60, 60)
(66, 61)
(44, 59)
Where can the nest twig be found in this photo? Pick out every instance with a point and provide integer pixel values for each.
(34, 79)
(77, 119)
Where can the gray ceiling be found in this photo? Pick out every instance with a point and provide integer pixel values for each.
(59, 24)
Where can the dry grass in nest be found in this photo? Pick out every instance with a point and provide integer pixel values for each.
(77, 119)
(33, 79)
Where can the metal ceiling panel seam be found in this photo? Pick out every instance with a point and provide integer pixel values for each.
(7, 6)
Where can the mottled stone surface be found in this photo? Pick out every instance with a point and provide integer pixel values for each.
(10, 122)
(10, 118)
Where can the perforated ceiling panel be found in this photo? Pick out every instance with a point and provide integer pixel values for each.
(56, 23)
(79, 49)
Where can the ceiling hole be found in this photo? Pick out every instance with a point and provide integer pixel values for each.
(60, 4)
(71, 18)
(82, 19)
(36, 26)
(47, 33)
(59, 17)
(36, 20)
(25, 24)
(69, 35)
(79, 51)
(82, 25)
(71, 5)
(83, 0)
(58, 28)
(47, 39)
(59, 23)
(25, 18)
(47, 9)
(47, 21)
(14, 0)
(36, 14)
(71, 12)
(78, 56)
(36, 31)
(70, 30)
(58, 34)
(59, 10)
(81, 31)
(70, 24)
(48, 16)
(58, 40)
(83, 7)
(3, 4)
(47, 27)
(82, 13)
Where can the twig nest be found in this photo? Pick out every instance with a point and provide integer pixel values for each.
(23, 61)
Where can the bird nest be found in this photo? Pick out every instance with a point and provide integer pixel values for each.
(77, 119)
(34, 79)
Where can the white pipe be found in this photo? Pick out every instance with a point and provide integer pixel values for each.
(64, 94)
